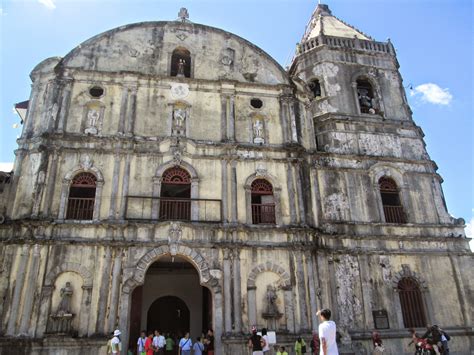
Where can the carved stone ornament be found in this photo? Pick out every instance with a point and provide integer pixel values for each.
(93, 119)
(174, 236)
(183, 14)
(86, 162)
(261, 171)
(258, 132)
(226, 60)
(182, 36)
(179, 90)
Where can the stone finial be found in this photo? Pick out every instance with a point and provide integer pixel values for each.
(183, 14)
(322, 10)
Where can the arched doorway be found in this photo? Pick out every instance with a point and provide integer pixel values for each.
(169, 314)
(171, 300)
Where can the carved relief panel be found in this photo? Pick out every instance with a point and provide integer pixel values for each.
(94, 115)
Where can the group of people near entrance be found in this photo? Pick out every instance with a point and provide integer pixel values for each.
(157, 344)
(323, 342)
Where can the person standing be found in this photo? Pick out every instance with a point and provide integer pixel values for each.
(169, 344)
(159, 343)
(282, 351)
(266, 347)
(141, 343)
(314, 345)
(116, 343)
(300, 346)
(327, 333)
(149, 344)
(198, 347)
(256, 342)
(185, 345)
(209, 342)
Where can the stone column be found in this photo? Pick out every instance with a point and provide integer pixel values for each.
(233, 192)
(225, 206)
(366, 288)
(284, 119)
(30, 291)
(44, 310)
(231, 115)
(124, 317)
(252, 304)
(300, 280)
(223, 118)
(63, 200)
(289, 309)
(53, 169)
(316, 197)
(227, 294)
(6, 264)
(312, 291)
(291, 193)
(462, 296)
(98, 200)
(29, 124)
(115, 183)
(237, 292)
(155, 205)
(104, 292)
(66, 99)
(131, 114)
(123, 110)
(248, 205)
(294, 132)
(218, 323)
(299, 181)
(125, 183)
(194, 195)
(84, 316)
(20, 278)
(114, 292)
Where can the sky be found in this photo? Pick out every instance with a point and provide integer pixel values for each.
(433, 39)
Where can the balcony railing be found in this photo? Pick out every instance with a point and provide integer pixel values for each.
(263, 213)
(80, 208)
(173, 209)
(394, 214)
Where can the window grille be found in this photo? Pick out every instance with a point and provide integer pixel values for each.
(411, 301)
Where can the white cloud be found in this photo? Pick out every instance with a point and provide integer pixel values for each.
(433, 94)
(48, 3)
(6, 167)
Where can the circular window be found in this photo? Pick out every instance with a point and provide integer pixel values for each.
(96, 91)
(256, 103)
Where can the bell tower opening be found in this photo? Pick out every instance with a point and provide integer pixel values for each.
(171, 300)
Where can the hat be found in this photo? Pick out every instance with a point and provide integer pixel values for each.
(117, 332)
(254, 329)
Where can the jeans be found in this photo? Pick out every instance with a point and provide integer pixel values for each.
(185, 352)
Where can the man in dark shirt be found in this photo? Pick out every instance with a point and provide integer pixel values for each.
(209, 342)
(255, 342)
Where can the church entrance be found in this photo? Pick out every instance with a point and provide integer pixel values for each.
(171, 300)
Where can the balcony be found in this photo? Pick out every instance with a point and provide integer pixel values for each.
(394, 214)
(143, 208)
(263, 213)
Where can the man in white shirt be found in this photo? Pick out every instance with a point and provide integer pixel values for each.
(327, 333)
(116, 343)
(159, 343)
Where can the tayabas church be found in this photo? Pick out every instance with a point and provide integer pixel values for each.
(173, 175)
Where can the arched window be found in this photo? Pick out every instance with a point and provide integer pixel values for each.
(263, 203)
(392, 207)
(411, 301)
(81, 198)
(181, 63)
(315, 87)
(365, 94)
(175, 197)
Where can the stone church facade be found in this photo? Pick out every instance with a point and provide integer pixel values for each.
(178, 163)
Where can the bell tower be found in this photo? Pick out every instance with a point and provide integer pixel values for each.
(350, 77)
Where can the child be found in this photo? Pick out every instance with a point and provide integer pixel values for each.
(281, 351)
(198, 347)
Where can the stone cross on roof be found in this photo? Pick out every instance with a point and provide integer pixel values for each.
(183, 14)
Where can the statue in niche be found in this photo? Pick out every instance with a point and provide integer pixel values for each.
(179, 121)
(258, 132)
(272, 308)
(181, 64)
(65, 304)
(365, 101)
(93, 117)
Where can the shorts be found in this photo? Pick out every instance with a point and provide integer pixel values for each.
(260, 352)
